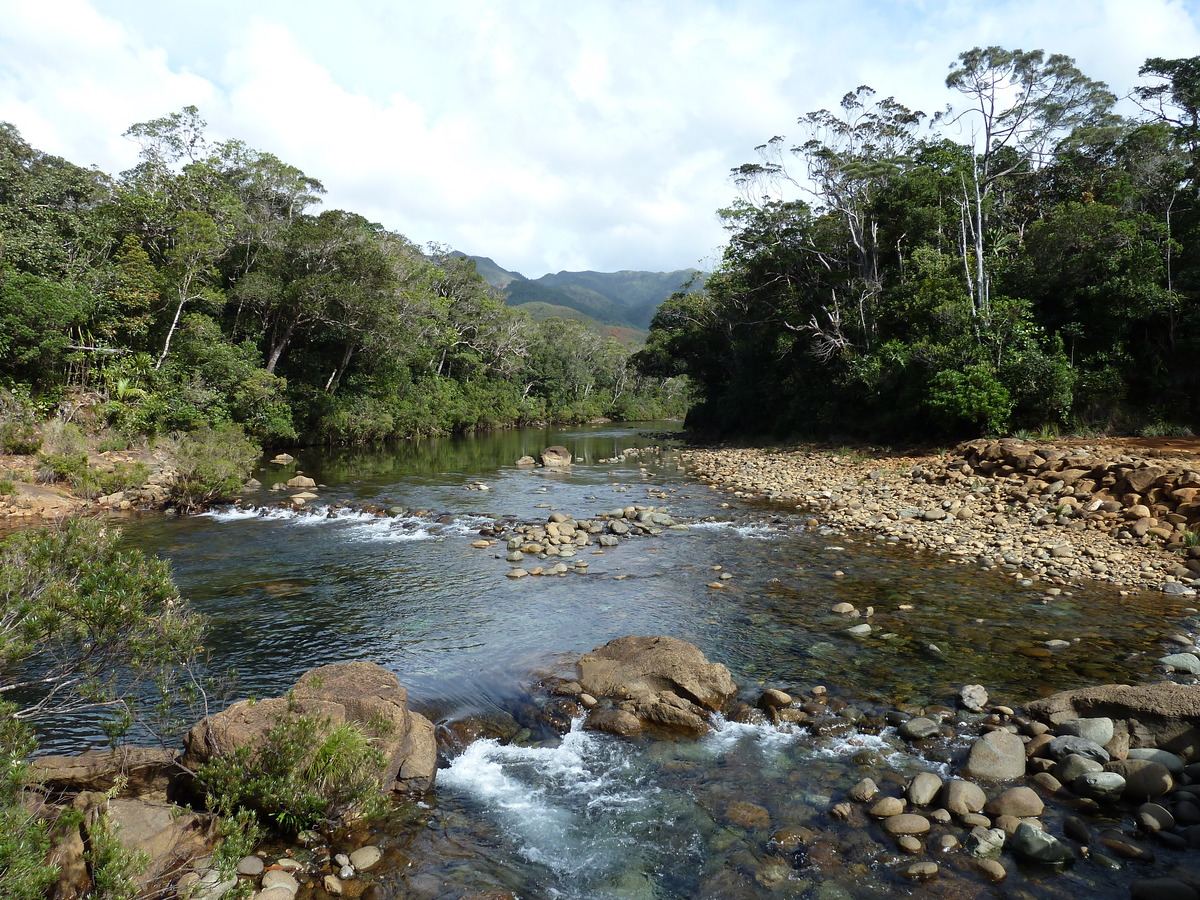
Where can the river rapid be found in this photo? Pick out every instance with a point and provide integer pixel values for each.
(589, 816)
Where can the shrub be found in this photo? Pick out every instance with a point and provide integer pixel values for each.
(973, 396)
(86, 621)
(54, 467)
(304, 774)
(212, 464)
(24, 838)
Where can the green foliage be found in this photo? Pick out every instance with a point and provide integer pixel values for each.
(84, 621)
(114, 869)
(24, 838)
(211, 463)
(973, 397)
(305, 773)
(1047, 276)
(238, 833)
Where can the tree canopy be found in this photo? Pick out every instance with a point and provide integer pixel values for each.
(1028, 261)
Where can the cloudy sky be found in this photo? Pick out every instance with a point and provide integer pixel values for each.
(564, 134)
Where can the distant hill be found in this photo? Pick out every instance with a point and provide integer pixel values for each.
(623, 300)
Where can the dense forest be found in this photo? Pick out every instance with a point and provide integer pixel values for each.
(1027, 259)
(203, 288)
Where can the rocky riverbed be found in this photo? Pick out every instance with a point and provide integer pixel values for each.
(1053, 512)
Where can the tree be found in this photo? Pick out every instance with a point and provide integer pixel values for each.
(1022, 102)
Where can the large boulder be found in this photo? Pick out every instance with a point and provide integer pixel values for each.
(1164, 715)
(172, 838)
(361, 693)
(662, 680)
(557, 457)
(138, 771)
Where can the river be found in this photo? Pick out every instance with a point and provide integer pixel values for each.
(590, 816)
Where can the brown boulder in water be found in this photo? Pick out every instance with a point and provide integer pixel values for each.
(361, 693)
(1163, 715)
(661, 680)
(557, 457)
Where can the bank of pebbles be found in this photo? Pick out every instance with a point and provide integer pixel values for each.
(1015, 794)
(1054, 513)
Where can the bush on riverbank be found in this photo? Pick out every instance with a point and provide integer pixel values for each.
(304, 774)
(211, 464)
(84, 624)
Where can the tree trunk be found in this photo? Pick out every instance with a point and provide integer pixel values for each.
(279, 346)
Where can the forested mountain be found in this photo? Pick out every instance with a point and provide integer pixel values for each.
(204, 287)
(886, 278)
(627, 299)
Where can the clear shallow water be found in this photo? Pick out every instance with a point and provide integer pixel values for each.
(593, 817)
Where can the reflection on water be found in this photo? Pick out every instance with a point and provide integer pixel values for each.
(285, 591)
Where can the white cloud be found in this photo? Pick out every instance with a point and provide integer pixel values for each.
(543, 134)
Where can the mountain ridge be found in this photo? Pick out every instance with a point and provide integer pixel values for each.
(625, 299)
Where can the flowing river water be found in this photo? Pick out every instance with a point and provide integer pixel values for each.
(589, 816)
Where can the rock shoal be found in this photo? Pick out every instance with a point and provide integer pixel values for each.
(1045, 511)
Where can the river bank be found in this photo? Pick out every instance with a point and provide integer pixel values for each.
(1065, 511)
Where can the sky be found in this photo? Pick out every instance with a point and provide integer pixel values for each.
(548, 135)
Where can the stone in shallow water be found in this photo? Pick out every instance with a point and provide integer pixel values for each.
(1030, 842)
(887, 807)
(1175, 764)
(1073, 765)
(990, 869)
(1098, 730)
(1107, 787)
(365, 857)
(997, 756)
(1182, 662)
(923, 787)
(919, 728)
(906, 823)
(985, 843)
(1068, 744)
(961, 797)
(1021, 802)
(864, 791)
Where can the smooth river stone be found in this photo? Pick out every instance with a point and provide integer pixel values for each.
(961, 797)
(887, 807)
(1067, 744)
(1021, 802)
(365, 857)
(923, 788)
(1144, 779)
(1173, 763)
(906, 823)
(1073, 765)
(919, 728)
(864, 791)
(1107, 787)
(1030, 842)
(1182, 662)
(997, 756)
(1098, 730)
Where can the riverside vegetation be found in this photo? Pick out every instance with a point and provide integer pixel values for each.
(1027, 259)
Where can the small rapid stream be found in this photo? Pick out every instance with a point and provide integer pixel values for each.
(589, 816)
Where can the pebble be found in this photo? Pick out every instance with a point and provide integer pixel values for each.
(250, 865)
(906, 823)
(364, 858)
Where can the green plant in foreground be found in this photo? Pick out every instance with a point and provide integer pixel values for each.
(304, 774)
